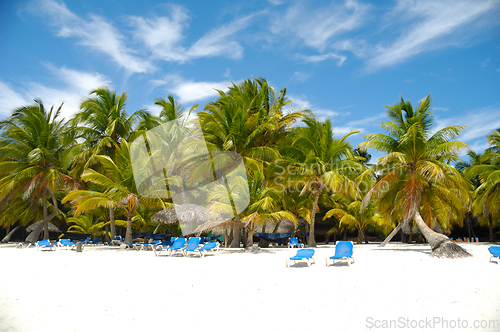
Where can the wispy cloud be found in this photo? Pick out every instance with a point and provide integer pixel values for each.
(427, 25)
(189, 91)
(163, 35)
(10, 100)
(322, 57)
(221, 41)
(479, 123)
(316, 26)
(95, 33)
(74, 85)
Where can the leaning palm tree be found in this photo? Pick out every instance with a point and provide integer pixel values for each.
(320, 163)
(33, 143)
(417, 177)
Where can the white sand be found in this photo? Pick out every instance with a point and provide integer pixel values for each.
(119, 290)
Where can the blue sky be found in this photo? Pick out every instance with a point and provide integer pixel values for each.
(344, 60)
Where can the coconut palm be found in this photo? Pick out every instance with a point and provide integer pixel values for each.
(102, 123)
(487, 194)
(119, 190)
(33, 144)
(321, 162)
(250, 120)
(418, 180)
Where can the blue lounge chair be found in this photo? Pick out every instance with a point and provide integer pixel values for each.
(495, 251)
(177, 246)
(45, 245)
(343, 252)
(65, 244)
(95, 241)
(306, 254)
(192, 244)
(166, 245)
(293, 241)
(208, 247)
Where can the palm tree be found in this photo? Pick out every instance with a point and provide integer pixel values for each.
(103, 122)
(417, 177)
(487, 193)
(171, 109)
(320, 162)
(250, 120)
(119, 190)
(33, 144)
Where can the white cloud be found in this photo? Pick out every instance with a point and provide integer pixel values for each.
(322, 57)
(95, 33)
(478, 123)
(10, 100)
(220, 41)
(189, 91)
(75, 85)
(162, 35)
(301, 76)
(428, 25)
(317, 26)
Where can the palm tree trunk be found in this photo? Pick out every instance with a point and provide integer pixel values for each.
(128, 234)
(440, 244)
(33, 236)
(312, 241)
(112, 223)
(45, 214)
(410, 237)
(390, 236)
(9, 234)
(236, 237)
(490, 226)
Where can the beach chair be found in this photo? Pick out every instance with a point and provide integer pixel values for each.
(306, 254)
(495, 252)
(65, 244)
(166, 245)
(44, 245)
(177, 246)
(95, 241)
(212, 247)
(24, 244)
(293, 241)
(343, 252)
(192, 244)
(142, 246)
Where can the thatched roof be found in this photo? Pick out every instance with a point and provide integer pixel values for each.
(52, 227)
(218, 227)
(189, 217)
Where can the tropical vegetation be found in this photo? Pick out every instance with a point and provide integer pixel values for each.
(80, 175)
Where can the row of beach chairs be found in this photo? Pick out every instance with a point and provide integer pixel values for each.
(191, 246)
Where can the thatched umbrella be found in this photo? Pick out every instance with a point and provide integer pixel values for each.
(189, 217)
(51, 226)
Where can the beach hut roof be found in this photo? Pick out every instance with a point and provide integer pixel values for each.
(182, 213)
(52, 227)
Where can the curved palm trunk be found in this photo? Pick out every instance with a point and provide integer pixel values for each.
(9, 234)
(392, 234)
(312, 241)
(440, 244)
(33, 236)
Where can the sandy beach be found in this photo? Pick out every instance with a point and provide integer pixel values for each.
(125, 290)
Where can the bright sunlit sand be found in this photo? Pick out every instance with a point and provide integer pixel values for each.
(121, 290)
